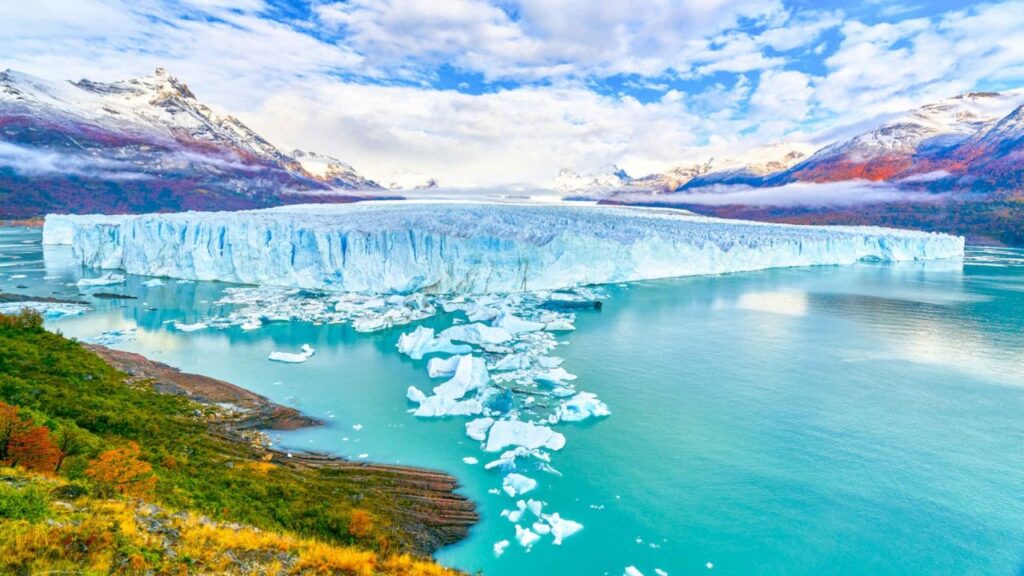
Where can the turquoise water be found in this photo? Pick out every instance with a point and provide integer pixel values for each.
(839, 420)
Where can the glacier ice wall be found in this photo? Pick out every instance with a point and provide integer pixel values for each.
(60, 228)
(443, 247)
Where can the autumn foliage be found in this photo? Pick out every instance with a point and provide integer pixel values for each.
(360, 523)
(120, 470)
(24, 444)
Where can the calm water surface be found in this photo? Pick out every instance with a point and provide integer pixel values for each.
(831, 420)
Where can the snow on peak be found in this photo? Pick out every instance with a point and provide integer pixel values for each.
(605, 180)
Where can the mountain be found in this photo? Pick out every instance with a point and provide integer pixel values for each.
(933, 138)
(608, 179)
(140, 145)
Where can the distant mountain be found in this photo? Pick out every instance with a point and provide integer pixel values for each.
(609, 179)
(950, 140)
(143, 145)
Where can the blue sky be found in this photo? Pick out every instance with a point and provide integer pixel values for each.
(503, 92)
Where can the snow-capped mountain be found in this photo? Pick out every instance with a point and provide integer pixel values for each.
(137, 145)
(331, 171)
(608, 179)
(923, 141)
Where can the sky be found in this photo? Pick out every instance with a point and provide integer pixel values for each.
(507, 92)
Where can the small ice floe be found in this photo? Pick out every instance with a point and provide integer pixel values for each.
(561, 528)
(507, 460)
(421, 341)
(512, 362)
(526, 537)
(48, 310)
(153, 283)
(514, 324)
(582, 406)
(442, 367)
(470, 460)
(476, 333)
(190, 327)
(470, 374)
(632, 571)
(364, 456)
(108, 279)
(559, 326)
(517, 484)
(514, 516)
(494, 491)
(357, 427)
(477, 429)
(554, 377)
(499, 548)
(709, 565)
(18, 276)
(113, 337)
(530, 436)
(292, 358)
(660, 572)
(252, 324)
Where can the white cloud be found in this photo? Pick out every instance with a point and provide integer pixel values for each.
(782, 94)
(807, 194)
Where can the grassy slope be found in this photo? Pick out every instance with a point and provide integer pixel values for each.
(62, 385)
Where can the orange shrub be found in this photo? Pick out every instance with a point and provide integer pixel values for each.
(24, 444)
(360, 523)
(121, 471)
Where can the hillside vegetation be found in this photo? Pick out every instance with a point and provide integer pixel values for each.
(105, 475)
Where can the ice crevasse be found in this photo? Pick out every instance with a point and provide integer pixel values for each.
(470, 248)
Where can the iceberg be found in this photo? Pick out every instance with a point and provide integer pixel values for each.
(526, 537)
(469, 373)
(477, 429)
(469, 248)
(582, 406)
(476, 333)
(104, 280)
(421, 341)
(293, 358)
(516, 433)
(516, 485)
(561, 528)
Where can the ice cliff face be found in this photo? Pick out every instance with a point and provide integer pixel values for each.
(470, 248)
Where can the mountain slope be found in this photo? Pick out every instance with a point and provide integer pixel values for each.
(139, 145)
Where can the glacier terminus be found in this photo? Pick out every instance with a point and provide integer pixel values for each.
(467, 247)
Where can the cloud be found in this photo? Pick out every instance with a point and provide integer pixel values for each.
(841, 194)
(34, 162)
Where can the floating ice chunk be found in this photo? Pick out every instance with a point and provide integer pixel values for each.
(108, 279)
(442, 367)
(470, 374)
(470, 460)
(526, 537)
(550, 361)
(292, 358)
(416, 395)
(555, 376)
(660, 572)
(18, 276)
(709, 565)
(632, 571)
(421, 342)
(559, 326)
(193, 327)
(507, 460)
(48, 310)
(252, 324)
(582, 406)
(499, 548)
(561, 528)
(512, 362)
(476, 333)
(514, 324)
(514, 516)
(113, 337)
(357, 427)
(477, 429)
(530, 436)
(541, 528)
(534, 506)
(517, 484)
(153, 283)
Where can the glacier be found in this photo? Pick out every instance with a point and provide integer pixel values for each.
(467, 247)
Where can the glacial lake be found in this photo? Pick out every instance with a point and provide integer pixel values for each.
(853, 420)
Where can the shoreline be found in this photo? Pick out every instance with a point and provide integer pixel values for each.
(439, 517)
